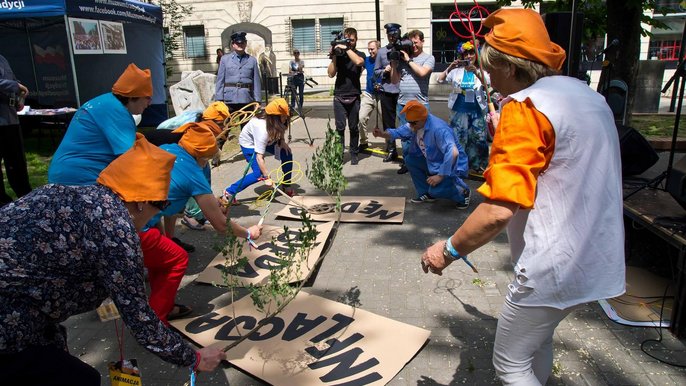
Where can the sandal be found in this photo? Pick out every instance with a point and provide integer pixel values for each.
(179, 311)
(192, 223)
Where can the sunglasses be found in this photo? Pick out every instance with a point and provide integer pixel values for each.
(161, 205)
(412, 122)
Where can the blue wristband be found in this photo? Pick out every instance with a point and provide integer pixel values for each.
(453, 252)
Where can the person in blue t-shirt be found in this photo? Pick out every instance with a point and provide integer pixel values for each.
(370, 99)
(166, 260)
(101, 130)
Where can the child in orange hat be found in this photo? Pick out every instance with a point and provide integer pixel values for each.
(265, 134)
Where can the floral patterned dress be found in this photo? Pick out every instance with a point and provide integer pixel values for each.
(467, 105)
(63, 250)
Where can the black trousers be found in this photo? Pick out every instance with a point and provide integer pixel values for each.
(12, 154)
(389, 103)
(349, 112)
(46, 366)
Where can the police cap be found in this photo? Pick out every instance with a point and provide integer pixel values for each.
(392, 27)
(238, 37)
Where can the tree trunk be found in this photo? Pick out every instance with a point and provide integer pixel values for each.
(623, 23)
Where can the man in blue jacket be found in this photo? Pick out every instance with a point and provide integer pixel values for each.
(436, 161)
(238, 77)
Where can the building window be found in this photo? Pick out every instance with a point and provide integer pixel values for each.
(326, 29)
(443, 40)
(303, 36)
(194, 41)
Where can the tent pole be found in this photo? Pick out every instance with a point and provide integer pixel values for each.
(70, 43)
(33, 63)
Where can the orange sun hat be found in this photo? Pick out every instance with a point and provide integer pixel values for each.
(522, 33)
(199, 142)
(216, 111)
(278, 106)
(133, 83)
(140, 174)
(414, 111)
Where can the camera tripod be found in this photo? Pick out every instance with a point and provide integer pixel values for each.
(291, 94)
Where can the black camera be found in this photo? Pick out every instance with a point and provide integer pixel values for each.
(339, 39)
(402, 44)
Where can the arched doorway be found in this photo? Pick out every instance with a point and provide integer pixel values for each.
(260, 48)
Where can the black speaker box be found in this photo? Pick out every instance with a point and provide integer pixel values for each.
(637, 154)
(559, 28)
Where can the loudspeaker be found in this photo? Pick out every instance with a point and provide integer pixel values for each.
(559, 28)
(676, 182)
(637, 154)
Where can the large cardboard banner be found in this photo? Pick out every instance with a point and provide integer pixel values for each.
(263, 258)
(353, 209)
(313, 341)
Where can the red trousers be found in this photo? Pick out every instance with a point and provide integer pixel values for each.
(166, 263)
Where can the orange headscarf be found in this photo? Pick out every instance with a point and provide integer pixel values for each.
(199, 142)
(216, 111)
(208, 125)
(278, 106)
(133, 83)
(521, 33)
(415, 111)
(141, 174)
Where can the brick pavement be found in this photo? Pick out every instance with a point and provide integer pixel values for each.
(376, 267)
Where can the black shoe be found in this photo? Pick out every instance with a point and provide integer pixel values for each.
(353, 159)
(364, 146)
(391, 156)
(402, 170)
(186, 247)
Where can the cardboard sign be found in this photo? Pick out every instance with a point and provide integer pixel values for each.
(125, 373)
(353, 209)
(263, 259)
(313, 341)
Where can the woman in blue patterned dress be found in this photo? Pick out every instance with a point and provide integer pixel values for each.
(63, 250)
(468, 106)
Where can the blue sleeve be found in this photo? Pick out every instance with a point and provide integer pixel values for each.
(447, 142)
(257, 83)
(402, 132)
(119, 129)
(9, 87)
(219, 86)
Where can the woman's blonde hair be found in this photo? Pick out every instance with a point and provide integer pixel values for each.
(526, 71)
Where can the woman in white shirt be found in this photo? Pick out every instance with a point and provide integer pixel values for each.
(468, 104)
(265, 134)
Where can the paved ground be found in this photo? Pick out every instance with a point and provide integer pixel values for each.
(377, 266)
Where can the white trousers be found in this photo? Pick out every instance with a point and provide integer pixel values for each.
(523, 349)
(367, 107)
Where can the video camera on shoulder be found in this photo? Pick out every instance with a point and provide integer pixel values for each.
(339, 39)
(402, 44)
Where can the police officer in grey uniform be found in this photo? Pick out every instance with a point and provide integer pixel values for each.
(238, 77)
(389, 91)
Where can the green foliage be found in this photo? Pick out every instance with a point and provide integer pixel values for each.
(173, 14)
(276, 292)
(326, 171)
(595, 13)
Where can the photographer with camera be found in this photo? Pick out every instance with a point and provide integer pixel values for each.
(389, 92)
(347, 65)
(411, 68)
(468, 106)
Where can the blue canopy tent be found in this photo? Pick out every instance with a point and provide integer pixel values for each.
(38, 41)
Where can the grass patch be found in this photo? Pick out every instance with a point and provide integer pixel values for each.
(654, 125)
(38, 155)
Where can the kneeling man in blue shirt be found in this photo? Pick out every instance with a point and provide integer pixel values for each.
(436, 161)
